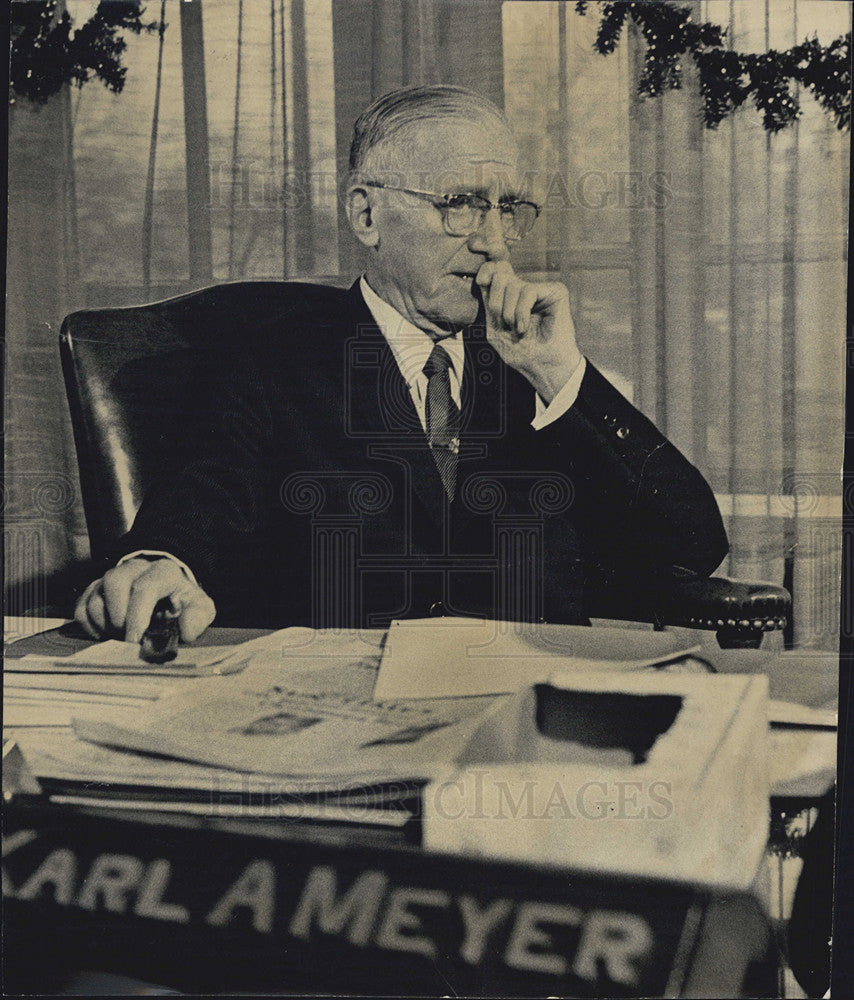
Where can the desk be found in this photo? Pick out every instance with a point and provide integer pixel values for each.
(212, 904)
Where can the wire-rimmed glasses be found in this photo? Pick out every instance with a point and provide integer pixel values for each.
(463, 213)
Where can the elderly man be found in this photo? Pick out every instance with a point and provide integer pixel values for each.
(499, 472)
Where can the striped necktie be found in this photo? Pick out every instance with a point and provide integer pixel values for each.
(442, 418)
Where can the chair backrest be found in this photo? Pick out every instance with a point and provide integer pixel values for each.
(134, 376)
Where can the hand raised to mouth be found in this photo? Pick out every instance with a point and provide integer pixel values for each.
(530, 325)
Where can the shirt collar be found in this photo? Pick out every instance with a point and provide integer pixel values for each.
(410, 346)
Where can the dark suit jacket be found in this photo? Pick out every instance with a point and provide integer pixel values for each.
(315, 500)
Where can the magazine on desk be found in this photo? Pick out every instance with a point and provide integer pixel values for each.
(309, 705)
(304, 712)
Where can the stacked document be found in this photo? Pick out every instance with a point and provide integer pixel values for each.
(113, 657)
(361, 717)
(303, 710)
(42, 699)
(634, 773)
(322, 710)
(107, 684)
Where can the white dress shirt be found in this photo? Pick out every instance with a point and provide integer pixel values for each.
(411, 348)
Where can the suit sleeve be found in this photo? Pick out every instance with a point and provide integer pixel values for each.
(213, 514)
(643, 507)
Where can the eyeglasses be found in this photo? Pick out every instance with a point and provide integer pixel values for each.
(464, 213)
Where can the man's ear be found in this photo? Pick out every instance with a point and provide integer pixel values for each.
(360, 213)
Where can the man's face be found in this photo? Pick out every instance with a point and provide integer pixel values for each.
(415, 265)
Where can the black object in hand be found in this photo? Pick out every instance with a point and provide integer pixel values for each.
(159, 642)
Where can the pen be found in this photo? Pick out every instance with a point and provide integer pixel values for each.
(159, 642)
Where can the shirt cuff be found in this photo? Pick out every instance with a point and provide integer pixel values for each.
(160, 555)
(545, 415)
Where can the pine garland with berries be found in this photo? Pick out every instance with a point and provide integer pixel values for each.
(727, 78)
(45, 53)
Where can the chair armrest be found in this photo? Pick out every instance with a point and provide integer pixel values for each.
(739, 611)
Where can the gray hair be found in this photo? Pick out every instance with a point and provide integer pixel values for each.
(395, 111)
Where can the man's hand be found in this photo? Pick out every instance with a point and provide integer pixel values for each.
(530, 325)
(124, 598)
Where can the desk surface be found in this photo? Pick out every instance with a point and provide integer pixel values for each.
(803, 759)
(179, 916)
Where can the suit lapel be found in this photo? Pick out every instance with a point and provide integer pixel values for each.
(380, 410)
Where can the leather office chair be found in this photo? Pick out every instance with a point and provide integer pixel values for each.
(130, 371)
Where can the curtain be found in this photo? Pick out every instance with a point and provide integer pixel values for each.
(776, 239)
(706, 269)
(42, 522)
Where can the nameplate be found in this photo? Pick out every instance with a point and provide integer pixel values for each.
(308, 910)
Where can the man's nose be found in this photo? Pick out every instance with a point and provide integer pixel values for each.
(488, 238)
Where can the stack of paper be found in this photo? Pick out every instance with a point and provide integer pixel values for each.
(641, 774)
(456, 657)
(308, 717)
(303, 712)
(103, 687)
(114, 657)
(49, 699)
(313, 710)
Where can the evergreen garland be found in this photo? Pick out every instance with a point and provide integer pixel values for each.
(45, 53)
(727, 78)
